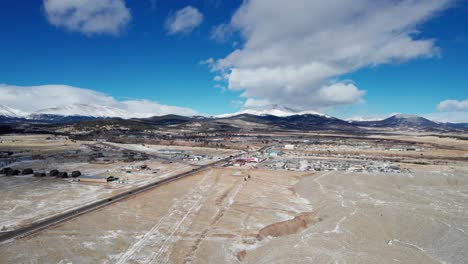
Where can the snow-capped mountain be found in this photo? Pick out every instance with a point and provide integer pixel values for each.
(409, 121)
(87, 110)
(400, 121)
(9, 112)
(275, 116)
(366, 118)
(273, 110)
(77, 112)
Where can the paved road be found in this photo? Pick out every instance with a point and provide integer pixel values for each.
(54, 220)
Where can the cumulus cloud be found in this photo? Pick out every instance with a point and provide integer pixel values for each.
(453, 105)
(88, 16)
(455, 111)
(184, 21)
(295, 51)
(252, 103)
(32, 98)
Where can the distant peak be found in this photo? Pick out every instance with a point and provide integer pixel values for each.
(10, 112)
(406, 116)
(274, 110)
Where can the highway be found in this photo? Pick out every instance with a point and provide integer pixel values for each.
(60, 218)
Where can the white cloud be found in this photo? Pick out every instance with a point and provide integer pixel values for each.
(455, 111)
(453, 105)
(184, 21)
(451, 117)
(33, 98)
(210, 62)
(252, 103)
(294, 51)
(221, 32)
(88, 16)
(339, 93)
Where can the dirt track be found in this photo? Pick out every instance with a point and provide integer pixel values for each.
(273, 217)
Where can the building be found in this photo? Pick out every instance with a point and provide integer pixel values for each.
(171, 151)
(239, 162)
(251, 160)
(198, 157)
(273, 153)
(289, 147)
(96, 179)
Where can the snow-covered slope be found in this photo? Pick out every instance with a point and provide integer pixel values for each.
(274, 110)
(409, 121)
(6, 111)
(400, 121)
(78, 112)
(82, 110)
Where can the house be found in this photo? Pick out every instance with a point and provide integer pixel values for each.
(96, 179)
(251, 160)
(273, 153)
(171, 151)
(289, 147)
(198, 157)
(239, 162)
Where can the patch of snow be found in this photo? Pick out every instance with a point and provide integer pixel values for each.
(88, 245)
(274, 110)
(337, 229)
(10, 112)
(83, 110)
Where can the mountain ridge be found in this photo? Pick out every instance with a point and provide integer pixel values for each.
(401, 121)
(274, 110)
(274, 116)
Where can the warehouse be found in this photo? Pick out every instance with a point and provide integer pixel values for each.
(171, 151)
(96, 179)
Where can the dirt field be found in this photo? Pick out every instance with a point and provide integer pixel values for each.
(27, 199)
(272, 217)
(37, 144)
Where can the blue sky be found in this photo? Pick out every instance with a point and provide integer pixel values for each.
(142, 60)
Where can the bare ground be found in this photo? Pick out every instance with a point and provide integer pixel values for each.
(271, 217)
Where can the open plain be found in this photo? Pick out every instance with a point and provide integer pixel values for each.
(313, 200)
(236, 131)
(273, 217)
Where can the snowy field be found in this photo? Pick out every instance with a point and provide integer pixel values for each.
(271, 217)
(26, 199)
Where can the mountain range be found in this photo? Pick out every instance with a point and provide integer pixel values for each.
(6, 111)
(272, 116)
(272, 110)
